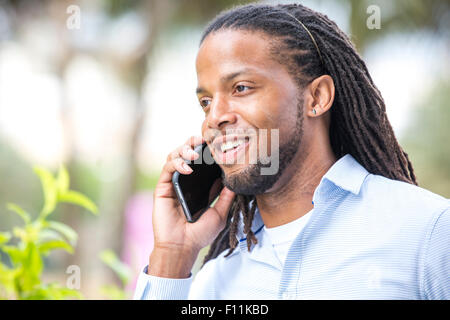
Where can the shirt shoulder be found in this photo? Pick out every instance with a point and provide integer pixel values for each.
(402, 197)
(435, 266)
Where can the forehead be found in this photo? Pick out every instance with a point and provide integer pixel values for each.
(235, 48)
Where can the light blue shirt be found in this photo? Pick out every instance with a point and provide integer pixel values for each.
(368, 237)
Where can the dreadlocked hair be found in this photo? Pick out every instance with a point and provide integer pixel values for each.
(358, 121)
(227, 237)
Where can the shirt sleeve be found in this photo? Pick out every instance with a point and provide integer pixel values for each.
(436, 276)
(156, 288)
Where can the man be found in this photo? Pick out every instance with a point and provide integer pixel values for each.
(342, 218)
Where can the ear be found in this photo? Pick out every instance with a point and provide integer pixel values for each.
(320, 96)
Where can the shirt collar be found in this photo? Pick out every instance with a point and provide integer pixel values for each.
(345, 173)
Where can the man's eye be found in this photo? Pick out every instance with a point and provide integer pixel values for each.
(241, 88)
(204, 103)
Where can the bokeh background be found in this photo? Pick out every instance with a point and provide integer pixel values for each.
(112, 98)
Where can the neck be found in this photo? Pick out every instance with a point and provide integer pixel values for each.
(291, 197)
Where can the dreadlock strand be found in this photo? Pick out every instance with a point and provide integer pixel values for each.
(358, 125)
(251, 238)
(346, 95)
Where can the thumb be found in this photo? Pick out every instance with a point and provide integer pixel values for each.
(224, 202)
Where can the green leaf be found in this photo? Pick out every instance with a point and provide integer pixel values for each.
(50, 191)
(15, 254)
(7, 277)
(64, 293)
(122, 270)
(64, 229)
(28, 234)
(4, 237)
(20, 233)
(48, 234)
(19, 211)
(48, 246)
(28, 265)
(62, 180)
(32, 267)
(75, 197)
(112, 292)
(53, 291)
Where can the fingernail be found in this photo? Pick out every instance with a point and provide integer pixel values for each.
(186, 167)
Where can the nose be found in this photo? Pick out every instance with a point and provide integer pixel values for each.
(220, 113)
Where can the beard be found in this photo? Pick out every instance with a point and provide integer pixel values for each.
(250, 181)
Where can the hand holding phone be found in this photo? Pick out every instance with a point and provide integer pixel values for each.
(176, 241)
(199, 189)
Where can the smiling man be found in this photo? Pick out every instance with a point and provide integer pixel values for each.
(342, 217)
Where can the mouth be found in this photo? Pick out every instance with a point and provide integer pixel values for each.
(229, 149)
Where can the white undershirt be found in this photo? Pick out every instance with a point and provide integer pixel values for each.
(282, 236)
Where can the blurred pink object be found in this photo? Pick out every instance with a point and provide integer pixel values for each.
(138, 234)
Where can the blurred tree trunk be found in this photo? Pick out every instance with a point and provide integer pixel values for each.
(135, 74)
(71, 214)
(108, 230)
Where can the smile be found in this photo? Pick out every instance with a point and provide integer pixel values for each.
(229, 151)
(230, 145)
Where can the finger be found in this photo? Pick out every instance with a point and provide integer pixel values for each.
(174, 154)
(223, 204)
(195, 141)
(180, 165)
(177, 164)
(186, 152)
(215, 190)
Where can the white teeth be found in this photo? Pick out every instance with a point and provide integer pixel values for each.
(230, 145)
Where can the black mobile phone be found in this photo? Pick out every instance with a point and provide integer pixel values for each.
(196, 191)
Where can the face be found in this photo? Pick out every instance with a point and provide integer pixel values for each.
(245, 92)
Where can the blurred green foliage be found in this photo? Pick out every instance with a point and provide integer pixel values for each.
(146, 181)
(122, 271)
(27, 245)
(396, 16)
(427, 141)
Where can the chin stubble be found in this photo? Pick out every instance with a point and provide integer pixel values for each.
(250, 181)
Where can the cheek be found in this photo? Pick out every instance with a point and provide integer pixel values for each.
(276, 118)
(275, 109)
(262, 111)
(285, 119)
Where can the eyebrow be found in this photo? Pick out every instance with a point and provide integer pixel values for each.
(227, 78)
